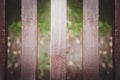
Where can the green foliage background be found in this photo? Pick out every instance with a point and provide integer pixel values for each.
(74, 17)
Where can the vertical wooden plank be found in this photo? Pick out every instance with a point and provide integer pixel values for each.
(90, 40)
(29, 40)
(58, 40)
(2, 40)
(117, 40)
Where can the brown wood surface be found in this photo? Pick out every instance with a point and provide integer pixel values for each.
(90, 40)
(117, 40)
(2, 40)
(58, 40)
(29, 40)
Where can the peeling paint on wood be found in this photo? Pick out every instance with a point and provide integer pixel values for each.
(58, 40)
(2, 40)
(117, 40)
(29, 40)
(90, 40)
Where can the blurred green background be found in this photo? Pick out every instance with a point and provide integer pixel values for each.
(74, 38)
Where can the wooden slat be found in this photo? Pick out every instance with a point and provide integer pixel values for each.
(58, 40)
(90, 40)
(117, 40)
(2, 40)
(29, 40)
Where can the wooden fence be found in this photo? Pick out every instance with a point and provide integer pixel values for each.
(58, 40)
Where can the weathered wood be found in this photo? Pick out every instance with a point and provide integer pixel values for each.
(29, 40)
(90, 40)
(117, 40)
(2, 40)
(58, 40)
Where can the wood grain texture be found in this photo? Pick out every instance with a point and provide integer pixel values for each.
(2, 40)
(29, 40)
(90, 40)
(117, 40)
(58, 40)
